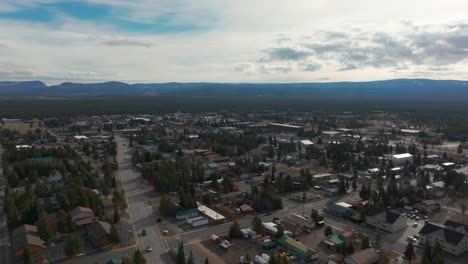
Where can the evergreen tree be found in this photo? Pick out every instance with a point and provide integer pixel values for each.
(190, 258)
(116, 216)
(138, 257)
(365, 243)
(409, 252)
(328, 231)
(127, 260)
(165, 204)
(180, 254)
(43, 227)
(342, 186)
(437, 254)
(27, 258)
(114, 235)
(257, 225)
(427, 254)
(234, 231)
(73, 245)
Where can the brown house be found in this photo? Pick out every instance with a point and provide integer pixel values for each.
(27, 236)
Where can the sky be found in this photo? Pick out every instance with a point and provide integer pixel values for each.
(232, 41)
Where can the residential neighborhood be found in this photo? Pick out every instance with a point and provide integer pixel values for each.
(230, 188)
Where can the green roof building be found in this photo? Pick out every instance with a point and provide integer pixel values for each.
(114, 261)
(182, 214)
(297, 248)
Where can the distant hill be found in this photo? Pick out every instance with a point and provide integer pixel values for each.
(398, 89)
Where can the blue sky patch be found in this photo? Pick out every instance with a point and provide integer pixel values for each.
(53, 14)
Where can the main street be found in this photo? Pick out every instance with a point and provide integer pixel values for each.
(4, 236)
(141, 213)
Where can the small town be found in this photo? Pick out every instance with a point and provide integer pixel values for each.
(225, 187)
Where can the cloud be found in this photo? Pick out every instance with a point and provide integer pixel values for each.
(284, 54)
(274, 69)
(311, 67)
(348, 67)
(356, 49)
(127, 42)
(243, 40)
(243, 67)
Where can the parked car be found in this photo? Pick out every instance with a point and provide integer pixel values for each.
(143, 233)
(415, 224)
(149, 249)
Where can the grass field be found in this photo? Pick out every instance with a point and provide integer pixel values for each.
(19, 126)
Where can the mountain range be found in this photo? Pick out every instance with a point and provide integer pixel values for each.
(397, 89)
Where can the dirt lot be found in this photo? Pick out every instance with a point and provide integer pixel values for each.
(240, 247)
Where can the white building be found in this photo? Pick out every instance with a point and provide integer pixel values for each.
(389, 221)
(401, 158)
(451, 241)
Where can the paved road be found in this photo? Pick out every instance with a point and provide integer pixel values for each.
(141, 213)
(103, 258)
(4, 235)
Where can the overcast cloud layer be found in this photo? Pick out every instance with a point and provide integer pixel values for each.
(232, 41)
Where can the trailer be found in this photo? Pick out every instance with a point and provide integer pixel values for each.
(200, 222)
(302, 221)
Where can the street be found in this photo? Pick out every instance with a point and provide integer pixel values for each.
(141, 213)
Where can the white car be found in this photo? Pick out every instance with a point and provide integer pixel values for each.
(415, 224)
(149, 249)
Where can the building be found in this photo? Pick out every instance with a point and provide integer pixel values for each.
(184, 214)
(214, 217)
(462, 228)
(366, 256)
(28, 236)
(99, 232)
(246, 209)
(451, 240)
(297, 248)
(304, 144)
(322, 176)
(333, 240)
(337, 210)
(390, 221)
(428, 206)
(399, 159)
(284, 127)
(82, 216)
